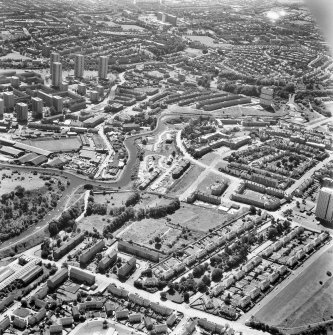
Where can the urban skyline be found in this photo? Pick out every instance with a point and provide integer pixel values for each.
(166, 167)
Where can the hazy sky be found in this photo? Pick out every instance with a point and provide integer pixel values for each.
(322, 11)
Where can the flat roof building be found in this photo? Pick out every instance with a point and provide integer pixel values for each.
(21, 112)
(54, 57)
(103, 63)
(324, 209)
(56, 74)
(37, 107)
(79, 66)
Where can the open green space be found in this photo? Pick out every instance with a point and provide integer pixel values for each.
(145, 230)
(96, 328)
(199, 218)
(307, 299)
(9, 179)
(21, 207)
(53, 145)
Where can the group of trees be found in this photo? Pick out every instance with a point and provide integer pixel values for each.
(133, 199)
(20, 208)
(66, 220)
(277, 229)
(264, 327)
(204, 81)
(129, 213)
(95, 208)
(249, 90)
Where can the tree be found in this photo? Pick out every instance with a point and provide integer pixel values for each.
(53, 228)
(198, 271)
(206, 280)
(186, 297)
(171, 287)
(157, 239)
(202, 287)
(252, 210)
(272, 233)
(216, 275)
(163, 295)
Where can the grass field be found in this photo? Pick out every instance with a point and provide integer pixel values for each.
(143, 231)
(9, 180)
(199, 218)
(94, 221)
(64, 144)
(112, 199)
(304, 300)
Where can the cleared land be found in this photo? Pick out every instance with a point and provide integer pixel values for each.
(64, 144)
(199, 218)
(9, 180)
(304, 300)
(238, 111)
(15, 56)
(210, 180)
(94, 221)
(112, 199)
(143, 231)
(206, 40)
(181, 185)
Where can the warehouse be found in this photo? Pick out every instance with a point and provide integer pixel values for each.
(26, 147)
(27, 157)
(9, 151)
(37, 160)
(31, 275)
